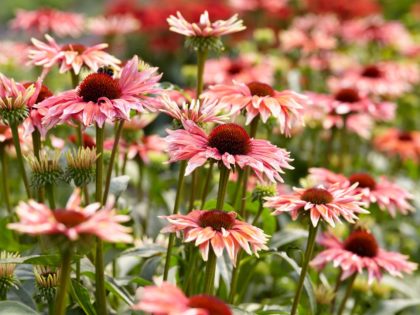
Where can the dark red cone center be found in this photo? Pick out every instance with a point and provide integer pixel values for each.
(372, 72)
(230, 138)
(364, 180)
(260, 89)
(74, 47)
(347, 95)
(211, 304)
(362, 243)
(317, 196)
(69, 218)
(97, 85)
(216, 219)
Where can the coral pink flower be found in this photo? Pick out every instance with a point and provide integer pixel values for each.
(113, 25)
(343, 8)
(252, 5)
(13, 53)
(260, 99)
(48, 20)
(245, 68)
(386, 194)
(404, 144)
(205, 28)
(70, 56)
(361, 252)
(219, 229)
(167, 299)
(198, 111)
(100, 97)
(229, 144)
(73, 221)
(146, 146)
(329, 203)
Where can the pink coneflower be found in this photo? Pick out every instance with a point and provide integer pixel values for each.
(359, 252)
(245, 68)
(199, 111)
(100, 97)
(260, 99)
(204, 28)
(73, 221)
(386, 194)
(88, 141)
(113, 25)
(48, 20)
(327, 203)
(219, 229)
(231, 145)
(167, 299)
(252, 5)
(13, 53)
(404, 144)
(70, 56)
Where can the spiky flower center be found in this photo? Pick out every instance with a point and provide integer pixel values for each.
(43, 93)
(260, 89)
(211, 304)
(70, 218)
(317, 196)
(235, 68)
(79, 48)
(371, 72)
(98, 85)
(230, 138)
(364, 180)
(405, 136)
(362, 243)
(347, 95)
(216, 219)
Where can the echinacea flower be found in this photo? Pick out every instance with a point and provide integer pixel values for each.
(167, 299)
(231, 145)
(219, 230)
(197, 110)
(252, 5)
(113, 25)
(69, 56)
(361, 252)
(404, 144)
(260, 99)
(13, 53)
(73, 221)
(14, 98)
(48, 20)
(100, 97)
(7, 270)
(326, 203)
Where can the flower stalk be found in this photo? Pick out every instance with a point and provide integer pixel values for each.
(347, 294)
(60, 302)
(19, 156)
(4, 176)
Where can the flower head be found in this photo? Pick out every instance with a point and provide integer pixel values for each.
(73, 221)
(7, 270)
(69, 57)
(48, 20)
(404, 144)
(46, 169)
(113, 25)
(100, 97)
(47, 281)
(219, 229)
(326, 203)
(231, 145)
(167, 299)
(81, 166)
(260, 99)
(361, 252)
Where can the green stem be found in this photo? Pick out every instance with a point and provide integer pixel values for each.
(36, 141)
(260, 210)
(201, 61)
(112, 159)
(337, 286)
(210, 273)
(78, 270)
(50, 195)
(207, 185)
(19, 156)
(234, 280)
(347, 294)
(308, 255)
(181, 177)
(194, 179)
(79, 135)
(4, 178)
(74, 79)
(86, 194)
(140, 191)
(99, 260)
(224, 177)
(60, 302)
(237, 187)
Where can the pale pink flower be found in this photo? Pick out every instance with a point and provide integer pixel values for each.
(404, 144)
(100, 97)
(327, 203)
(199, 111)
(204, 28)
(229, 144)
(48, 20)
(70, 56)
(219, 229)
(260, 99)
(361, 252)
(147, 146)
(167, 299)
(252, 5)
(73, 221)
(13, 53)
(113, 25)
(245, 68)
(322, 176)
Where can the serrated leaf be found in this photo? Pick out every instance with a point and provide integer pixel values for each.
(82, 297)
(15, 308)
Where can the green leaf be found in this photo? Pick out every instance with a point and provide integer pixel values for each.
(82, 297)
(287, 236)
(391, 307)
(50, 260)
(211, 204)
(269, 222)
(15, 308)
(144, 251)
